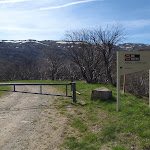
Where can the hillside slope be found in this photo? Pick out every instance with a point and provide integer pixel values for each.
(19, 50)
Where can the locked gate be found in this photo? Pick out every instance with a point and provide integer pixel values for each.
(72, 84)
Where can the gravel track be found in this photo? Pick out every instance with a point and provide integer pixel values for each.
(28, 122)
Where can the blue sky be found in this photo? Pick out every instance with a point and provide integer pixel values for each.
(50, 19)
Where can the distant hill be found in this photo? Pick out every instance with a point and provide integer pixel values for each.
(133, 46)
(19, 50)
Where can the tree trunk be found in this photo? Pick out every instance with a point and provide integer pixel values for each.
(108, 74)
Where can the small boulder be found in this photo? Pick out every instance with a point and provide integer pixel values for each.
(101, 93)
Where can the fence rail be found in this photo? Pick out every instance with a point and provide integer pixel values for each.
(72, 84)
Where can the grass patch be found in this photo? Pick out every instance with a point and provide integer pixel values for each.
(74, 144)
(108, 133)
(2, 93)
(78, 123)
(128, 127)
(119, 148)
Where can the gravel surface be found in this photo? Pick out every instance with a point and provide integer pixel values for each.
(29, 121)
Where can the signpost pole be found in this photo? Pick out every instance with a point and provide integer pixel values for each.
(149, 87)
(118, 84)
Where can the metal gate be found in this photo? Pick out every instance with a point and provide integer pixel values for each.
(72, 84)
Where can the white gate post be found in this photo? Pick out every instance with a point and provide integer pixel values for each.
(118, 85)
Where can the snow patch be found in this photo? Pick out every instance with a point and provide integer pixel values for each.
(63, 42)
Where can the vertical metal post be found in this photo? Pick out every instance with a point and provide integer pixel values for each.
(74, 91)
(66, 90)
(40, 89)
(71, 82)
(14, 89)
(118, 92)
(118, 84)
(72, 79)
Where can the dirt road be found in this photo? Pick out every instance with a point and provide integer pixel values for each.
(27, 121)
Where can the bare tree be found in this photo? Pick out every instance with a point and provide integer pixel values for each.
(53, 61)
(106, 41)
(26, 70)
(82, 50)
(92, 50)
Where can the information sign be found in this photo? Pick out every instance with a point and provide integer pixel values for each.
(130, 62)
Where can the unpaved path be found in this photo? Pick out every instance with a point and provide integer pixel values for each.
(27, 121)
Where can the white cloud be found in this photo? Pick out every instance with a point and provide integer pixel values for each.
(136, 23)
(145, 35)
(11, 28)
(131, 24)
(12, 1)
(68, 4)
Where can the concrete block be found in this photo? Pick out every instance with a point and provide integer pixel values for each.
(101, 93)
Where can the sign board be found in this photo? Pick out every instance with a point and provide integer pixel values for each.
(130, 62)
(133, 61)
